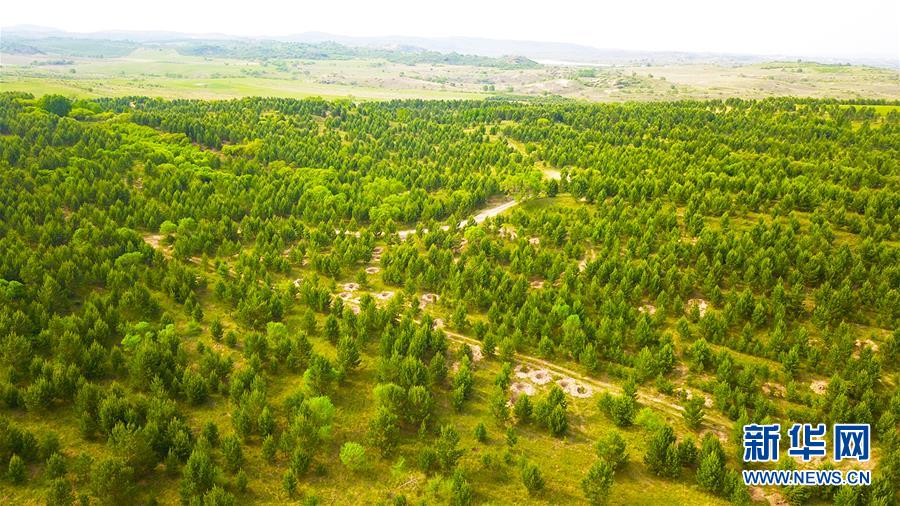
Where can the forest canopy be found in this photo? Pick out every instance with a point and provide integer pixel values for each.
(268, 299)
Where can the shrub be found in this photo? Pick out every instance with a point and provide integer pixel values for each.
(353, 456)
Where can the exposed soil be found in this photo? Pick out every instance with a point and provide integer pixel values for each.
(427, 298)
(154, 239)
(701, 304)
(508, 233)
(540, 376)
(774, 389)
(648, 308)
(477, 355)
(519, 388)
(574, 388)
(819, 386)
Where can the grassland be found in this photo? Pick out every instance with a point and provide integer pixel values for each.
(165, 73)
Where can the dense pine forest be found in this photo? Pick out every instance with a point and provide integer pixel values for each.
(441, 302)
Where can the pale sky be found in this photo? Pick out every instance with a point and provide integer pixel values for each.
(860, 28)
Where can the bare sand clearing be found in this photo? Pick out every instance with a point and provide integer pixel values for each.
(650, 309)
(574, 388)
(819, 386)
(154, 239)
(540, 376)
(519, 388)
(701, 304)
(427, 298)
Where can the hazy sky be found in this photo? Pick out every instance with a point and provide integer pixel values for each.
(787, 27)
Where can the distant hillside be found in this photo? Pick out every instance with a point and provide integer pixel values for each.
(469, 47)
(51, 42)
(333, 50)
(67, 46)
(560, 51)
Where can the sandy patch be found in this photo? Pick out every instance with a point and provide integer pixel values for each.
(537, 285)
(377, 250)
(863, 343)
(153, 239)
(427, 298)
(819, 386)
(774, 389)
(540, 376)
(372, 270)
(384, 295)
(520, 388)
(508, 233)
(574, 388)
(757, 494)
(701, 304)
(376, 258)
(438, 323)
(534, 241)
(650, 309)
(351, 287)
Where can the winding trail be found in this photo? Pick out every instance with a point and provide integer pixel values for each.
(713, 421)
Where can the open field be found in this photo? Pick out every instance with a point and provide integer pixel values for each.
(166, 73)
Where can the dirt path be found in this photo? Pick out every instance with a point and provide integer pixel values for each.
(479, 218)
(490, 213)
(712, 421)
